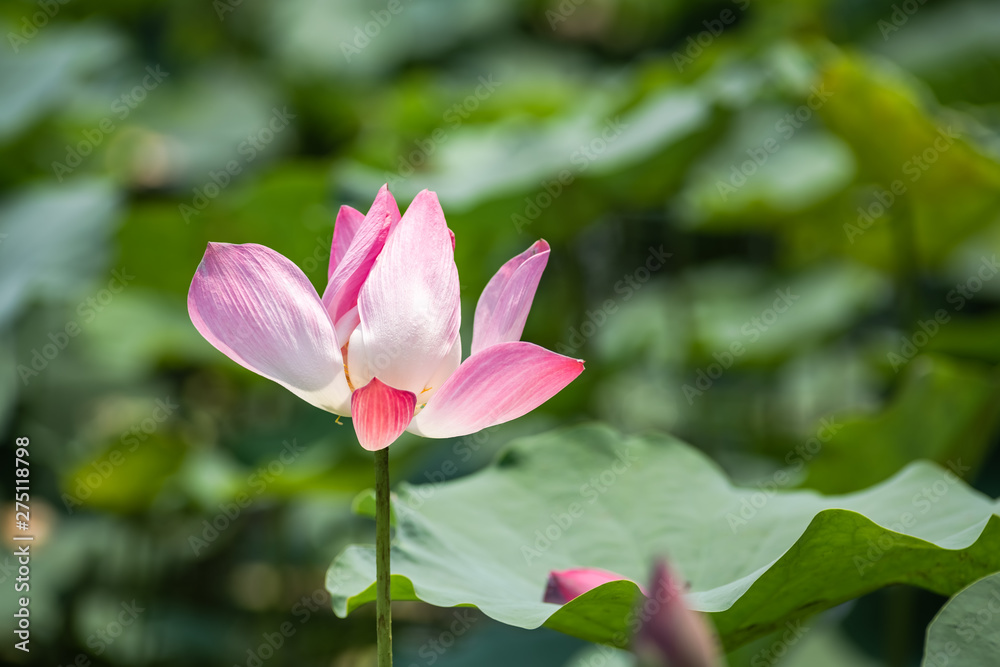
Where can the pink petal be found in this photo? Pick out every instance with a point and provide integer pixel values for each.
(671, 633)
(341, 295)
(348, 222)
(380, 414)
(503, 307)
(564, 585)
(500, 383)
(260, 310)
(409, 306)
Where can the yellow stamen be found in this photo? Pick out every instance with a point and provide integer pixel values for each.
(347, 373)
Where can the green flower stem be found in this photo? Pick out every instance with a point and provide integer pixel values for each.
(382, 587)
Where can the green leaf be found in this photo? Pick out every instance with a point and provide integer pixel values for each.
(904, 143)
(41, 76)
(124, 479)
(732, 306)
(52, 239)
(589, 497)
(360, 39)
(966, 632)
(945, 411)
(476, 165)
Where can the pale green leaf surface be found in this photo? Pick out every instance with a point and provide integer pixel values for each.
(966, 632)
(752, 560)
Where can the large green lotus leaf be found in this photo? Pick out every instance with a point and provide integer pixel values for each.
(966, 632)
(359, 39)
(945, 411)
(874, 162)
(590, 497)
(477, 164)
(902, 140)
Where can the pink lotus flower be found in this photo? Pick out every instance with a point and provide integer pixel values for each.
(382, 345)
(669, 634)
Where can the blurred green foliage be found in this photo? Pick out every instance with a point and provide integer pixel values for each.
(841, 153)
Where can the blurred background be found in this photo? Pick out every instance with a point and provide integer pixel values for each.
(774, 230)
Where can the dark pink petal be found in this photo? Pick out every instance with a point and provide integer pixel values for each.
(341, 295)
(671, 633)
(380, 414)
(260, 310)
(498, 384)
(409, 306)
(348, 222)
(503, 307)
(564, 585)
